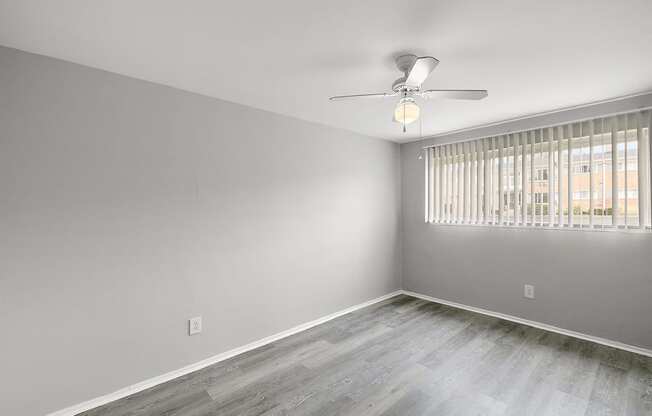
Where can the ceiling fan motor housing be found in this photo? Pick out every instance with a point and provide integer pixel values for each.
(400, 86)
(404, 63)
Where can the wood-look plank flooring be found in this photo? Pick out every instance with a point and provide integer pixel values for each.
(405, 357)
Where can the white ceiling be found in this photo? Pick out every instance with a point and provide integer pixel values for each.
(289, 56)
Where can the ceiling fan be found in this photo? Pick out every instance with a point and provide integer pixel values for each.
(415, 69)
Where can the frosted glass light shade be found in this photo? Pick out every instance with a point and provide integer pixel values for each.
(406, 111)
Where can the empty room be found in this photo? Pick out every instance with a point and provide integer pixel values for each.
(352, 208)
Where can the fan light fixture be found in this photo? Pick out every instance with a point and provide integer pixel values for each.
(406, 111)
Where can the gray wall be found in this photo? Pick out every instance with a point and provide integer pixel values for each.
(595, 283)
(127, 207)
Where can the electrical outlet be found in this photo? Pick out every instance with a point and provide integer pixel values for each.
(194, 325)
(528, 291)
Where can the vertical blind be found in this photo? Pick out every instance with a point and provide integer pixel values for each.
(592, 174)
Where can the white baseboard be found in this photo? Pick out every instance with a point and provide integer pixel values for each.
(597, 340)
(143, 385)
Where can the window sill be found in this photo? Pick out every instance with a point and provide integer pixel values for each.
(599, 229)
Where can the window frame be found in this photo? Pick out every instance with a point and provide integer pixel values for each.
(469, 164)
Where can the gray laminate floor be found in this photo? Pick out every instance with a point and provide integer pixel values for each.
(407, 357)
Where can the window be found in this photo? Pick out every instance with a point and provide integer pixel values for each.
(541, 175)
(581, 168)
(587, 175)
(540, 197)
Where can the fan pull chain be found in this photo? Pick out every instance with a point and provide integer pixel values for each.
(404, 117)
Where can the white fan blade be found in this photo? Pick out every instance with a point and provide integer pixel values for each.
(376, 95)
(422, 67)
(455, 94)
